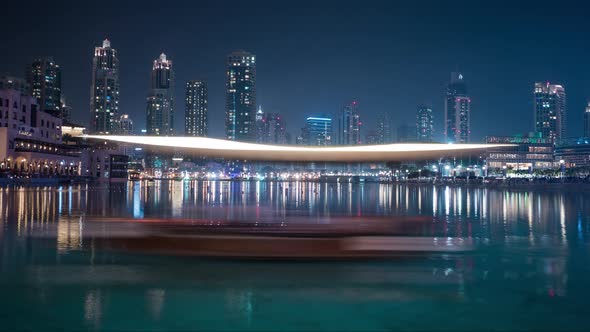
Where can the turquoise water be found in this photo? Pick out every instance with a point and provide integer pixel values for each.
(531, 270)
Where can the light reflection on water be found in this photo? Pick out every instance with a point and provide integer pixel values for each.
(531, 272)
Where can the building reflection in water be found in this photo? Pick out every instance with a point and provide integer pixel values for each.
(492, 213)
(69, 233)
(93, 308)
(533, 232)
(155, 302)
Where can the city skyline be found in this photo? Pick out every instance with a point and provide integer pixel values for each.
(313, 86)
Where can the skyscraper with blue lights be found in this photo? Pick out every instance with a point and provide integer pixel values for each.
(240, 102)
(317, 131)
(44, 79)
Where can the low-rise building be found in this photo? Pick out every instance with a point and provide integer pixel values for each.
(31, 144)
(527, 153)
(30, 139)
(575, 152)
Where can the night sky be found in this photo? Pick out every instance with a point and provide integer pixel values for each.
(313, 58)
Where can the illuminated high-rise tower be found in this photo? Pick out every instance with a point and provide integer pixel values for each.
(424, 124)
(317, 131)
(44, 79)
(550, 109)
(160, 100)
(124, 125)
(457, 111)
(349, 125)
(104, 91)
(384, 129)
(240, 97)
(587, 121)
(196, 109)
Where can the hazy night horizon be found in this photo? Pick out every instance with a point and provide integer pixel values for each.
(315, 58)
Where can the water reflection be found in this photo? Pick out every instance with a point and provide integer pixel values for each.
(534, 250)
(476, 212)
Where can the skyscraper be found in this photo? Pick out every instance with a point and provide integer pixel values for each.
(260, 125)
(271, 128)
(124, 125)
(195, 123)
(457, 111)
(317, 131)
(424, 124)
(160, 100)
(44, 79)
(384, 128)
(349, 125)
(240, 98)
(550, 109)
(587, 121)
(372, 137)
(104, 92)
(66, 109)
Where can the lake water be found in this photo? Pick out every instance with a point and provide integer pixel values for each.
(530, 271)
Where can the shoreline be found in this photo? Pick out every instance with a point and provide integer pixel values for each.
(500, 185)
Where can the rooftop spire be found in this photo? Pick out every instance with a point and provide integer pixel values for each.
(106, 43)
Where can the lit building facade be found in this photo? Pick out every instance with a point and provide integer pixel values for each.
(550, 110)
(529, 153)
(195, 123)
(349, 125)
(33, 144)
(587, 121)
(424, 124)
(124, 125)
(457, 111)
(575, 152)
(240, 102)
(160, 101)
(30, 139)
(44, 79)
(372, 137)
(260, 125)
(384, 128)
(104, 91)
(317, 131)
(66, 110)
(271, 128)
